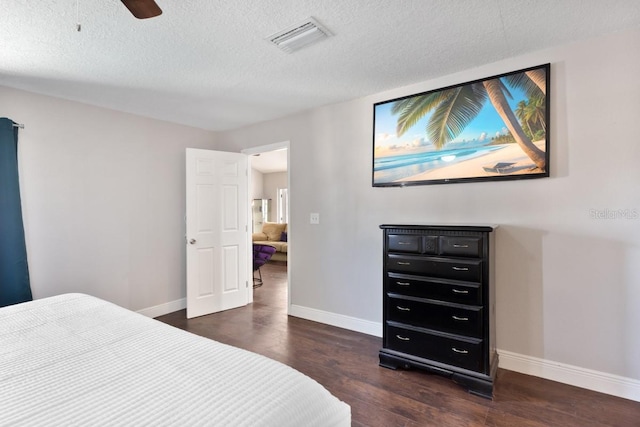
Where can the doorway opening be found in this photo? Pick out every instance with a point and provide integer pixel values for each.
(269, 199)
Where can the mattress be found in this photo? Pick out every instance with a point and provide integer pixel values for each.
(75, 360)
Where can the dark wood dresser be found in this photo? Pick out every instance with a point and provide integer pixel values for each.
(439, 303)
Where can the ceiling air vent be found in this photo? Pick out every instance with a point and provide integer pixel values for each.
(298, 36)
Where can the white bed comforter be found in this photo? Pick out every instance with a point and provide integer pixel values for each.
(75, 360)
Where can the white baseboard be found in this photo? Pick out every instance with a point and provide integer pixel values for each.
(339, 320)
(602, 382)
(166, 308)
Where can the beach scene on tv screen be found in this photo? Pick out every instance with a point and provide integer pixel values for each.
(495, 127)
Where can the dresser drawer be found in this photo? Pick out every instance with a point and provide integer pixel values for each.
(464, 353)
(404, 243)
(440, 289)
(446, 268)
(460, 246)
(413, 244)
(452, 318)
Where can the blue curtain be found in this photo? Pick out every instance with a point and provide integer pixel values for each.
(14, 271)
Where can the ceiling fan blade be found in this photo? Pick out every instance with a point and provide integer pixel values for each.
(142, 9)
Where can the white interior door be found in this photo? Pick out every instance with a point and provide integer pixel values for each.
(217, 231)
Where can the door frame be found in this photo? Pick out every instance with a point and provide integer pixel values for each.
(259, 150)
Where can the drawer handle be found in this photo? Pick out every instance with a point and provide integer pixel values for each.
(404, 243)
(402, 338)
(458, 291)
(460, 246)
(403, 308)
(461, 268)
(403, 283)
(403, 263)
(462, 319)
(458, 351)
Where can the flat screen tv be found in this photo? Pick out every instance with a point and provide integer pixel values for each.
(491, 129)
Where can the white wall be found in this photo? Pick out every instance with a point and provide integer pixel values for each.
(568, 285)
(103, 199)
(257, 184)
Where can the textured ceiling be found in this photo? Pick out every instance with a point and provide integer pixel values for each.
(205, 63)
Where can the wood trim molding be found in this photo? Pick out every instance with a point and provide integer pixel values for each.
(338, 320)
(627, 388)
(162, 309)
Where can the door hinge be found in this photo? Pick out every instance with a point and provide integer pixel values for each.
(246, 284)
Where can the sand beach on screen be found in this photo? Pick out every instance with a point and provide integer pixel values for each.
(511, 153)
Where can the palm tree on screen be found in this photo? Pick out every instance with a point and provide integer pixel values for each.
(523, 113)
(453, 109)
(532, 114)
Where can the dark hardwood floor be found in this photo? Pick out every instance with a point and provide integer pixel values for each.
(346, 363)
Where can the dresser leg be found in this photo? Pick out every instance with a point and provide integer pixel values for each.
(478, 386)
(388, 362)
(474, 385)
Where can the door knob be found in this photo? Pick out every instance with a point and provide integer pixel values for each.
(192, 241)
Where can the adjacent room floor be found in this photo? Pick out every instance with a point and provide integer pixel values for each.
(346, 363)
